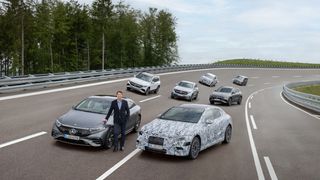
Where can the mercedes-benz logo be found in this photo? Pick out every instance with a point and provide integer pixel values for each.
(73, 131)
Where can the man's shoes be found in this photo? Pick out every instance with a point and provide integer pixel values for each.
(115, 149)
(122, 148)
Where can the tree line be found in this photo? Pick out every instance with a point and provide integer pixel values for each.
(42, 36)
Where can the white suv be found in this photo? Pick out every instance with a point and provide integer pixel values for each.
(144, 83)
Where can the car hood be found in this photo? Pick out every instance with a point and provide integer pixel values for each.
(140, 81)
(221, 94)
(83, 119)
(171, 129)
(183, 89)
(206, 78)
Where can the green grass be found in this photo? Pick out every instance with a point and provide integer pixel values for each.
(314, 89)
(266, 62)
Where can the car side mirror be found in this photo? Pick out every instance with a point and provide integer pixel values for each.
(159, 115)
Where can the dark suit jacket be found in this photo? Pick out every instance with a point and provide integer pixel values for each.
(120, 115)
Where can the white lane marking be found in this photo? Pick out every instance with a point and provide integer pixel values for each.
(270, 168)
(252, 144)
(315, 116)
(267, 83)
(275, 76)
(145, 100)
(255, 77)
(22, 139)
(253, 122)
(119, 164)
(297, 76)
(251, 97)
(249, 105)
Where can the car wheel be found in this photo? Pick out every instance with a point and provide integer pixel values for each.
(194, 148)
(172, 96)
(137, 124)
(229, 102)
(212, 84)
(128, 89)
(108, 140)
(191, 98)
(239, 101)
(227, 135)
(147, 92)
(196, 97)
(157, 90)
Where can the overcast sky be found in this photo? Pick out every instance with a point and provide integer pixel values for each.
(211, 30)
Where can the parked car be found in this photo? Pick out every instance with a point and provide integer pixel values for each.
(227, 95)
(185, 130)
(240, 80)
(83, 124)
(144, 83)
(185, 90)
(209, 79)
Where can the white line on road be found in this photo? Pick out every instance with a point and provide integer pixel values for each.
(119, 164)
(249, 105)
(267, 83)
(297, 76)
(22, 139)
(253, 122)
(275, 76)
(145, 100)
(256, 77)
(251, 97)
(270, 168)
(315, 116)
(252, 144)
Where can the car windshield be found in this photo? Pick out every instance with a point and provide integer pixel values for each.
(224, 90)
(94, 105)
(209, 76)
(190, 115)
(144, 77)
(239, 77)
(185, 84)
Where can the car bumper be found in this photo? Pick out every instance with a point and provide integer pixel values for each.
(181, 96)
(94, 140)
(139, 89)
(214, 99)
(169, 147)
(207, 82)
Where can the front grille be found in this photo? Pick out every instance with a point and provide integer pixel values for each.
(180, 92)
(135, 84)
(79, 132)
(155, 140)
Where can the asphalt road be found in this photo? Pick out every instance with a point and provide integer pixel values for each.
(285, 142)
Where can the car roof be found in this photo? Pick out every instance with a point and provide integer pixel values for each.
(243, 76)
(211, 74)
(227, 87)
(149, 74)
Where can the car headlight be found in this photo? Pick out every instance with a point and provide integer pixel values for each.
(97, 129)
(58, 123)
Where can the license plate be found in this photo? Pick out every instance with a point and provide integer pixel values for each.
(156, 146)
(67, 136)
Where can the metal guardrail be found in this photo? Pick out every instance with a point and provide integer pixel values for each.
(308, 101)
(18, 83)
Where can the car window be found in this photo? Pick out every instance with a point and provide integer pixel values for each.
(185, 84)
(216, 113)
(225, 90)
(94, 105)
(156, 79)
(184, 114)
(209, 115)
(144, 77)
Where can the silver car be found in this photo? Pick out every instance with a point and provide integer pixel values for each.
(227, 95)
(144, 83)
(240, 80)
(209, 79)
(185, 130)
(185, 90)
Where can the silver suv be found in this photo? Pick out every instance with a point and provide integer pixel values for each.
(144, 83)
(209, 79)
(240, 80)
(227, 95)
(185, 90)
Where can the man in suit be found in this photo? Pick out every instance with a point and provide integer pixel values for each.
(120, 117)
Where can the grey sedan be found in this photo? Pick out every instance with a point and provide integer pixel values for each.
(83, 124)
(227, 95)
(185, 90)
(185, 130)
(240, 80)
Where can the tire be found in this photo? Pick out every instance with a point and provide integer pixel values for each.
(157, 90)
(239, 101)
(194, 148)
(108, 140)
(137, 125)
(229, 102)
(212, 102)
(128, 89)
(172, 96)
(196, 97)
(212, 84)
(191, 98)
(227, 135)
(147, 92)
